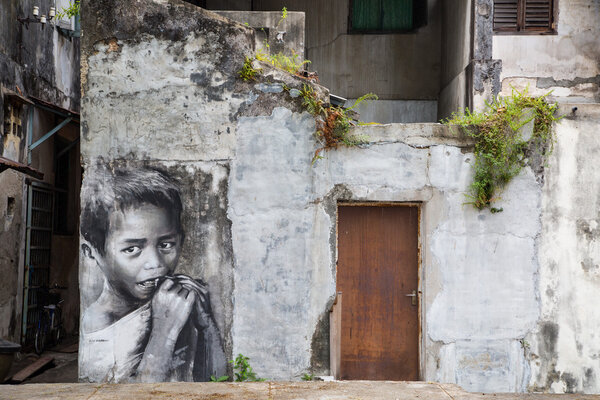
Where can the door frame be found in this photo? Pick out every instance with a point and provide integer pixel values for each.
(420, 270)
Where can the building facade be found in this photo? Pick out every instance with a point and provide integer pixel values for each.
(39, 182)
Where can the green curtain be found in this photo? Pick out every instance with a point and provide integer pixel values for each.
(386, 15)
(397, 14)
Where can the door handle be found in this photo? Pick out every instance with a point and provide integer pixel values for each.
(414, 297)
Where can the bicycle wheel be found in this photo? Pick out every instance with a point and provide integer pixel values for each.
(40, 335)
(58, 333)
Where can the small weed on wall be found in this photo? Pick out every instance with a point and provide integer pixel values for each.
(333, 123)
(500, 149)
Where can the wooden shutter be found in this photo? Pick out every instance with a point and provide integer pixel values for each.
(506, 15)
(538, 15)
(535, 16)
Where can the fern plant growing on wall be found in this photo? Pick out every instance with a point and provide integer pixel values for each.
(501, 151)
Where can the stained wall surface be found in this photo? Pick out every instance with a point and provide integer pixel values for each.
(259, 217)
(561, 350)
(565, 63)
(44, 64)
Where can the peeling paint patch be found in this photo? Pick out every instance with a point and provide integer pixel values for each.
(547, 83)
(589, 265)
(269, 88)
(590, 229)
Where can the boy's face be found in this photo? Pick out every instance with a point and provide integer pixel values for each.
(142, 246)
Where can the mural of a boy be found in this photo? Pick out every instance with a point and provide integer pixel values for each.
(148, 324)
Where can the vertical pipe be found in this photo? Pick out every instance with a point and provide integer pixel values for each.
(29, 134)
(27, 274)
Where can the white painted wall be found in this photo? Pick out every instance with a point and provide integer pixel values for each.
(479, 269)
(564, 347)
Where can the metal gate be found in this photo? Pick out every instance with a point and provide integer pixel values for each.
(37, 255)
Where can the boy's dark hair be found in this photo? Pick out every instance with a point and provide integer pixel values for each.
(120, 189)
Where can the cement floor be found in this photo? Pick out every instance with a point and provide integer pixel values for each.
(355, 390)
(63, 368)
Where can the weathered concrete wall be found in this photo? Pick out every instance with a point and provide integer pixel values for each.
(396, 111)
(566, 63)
(11, 233)
(260, 221)
(182, 121)
(393, 66)
(352, 65)
(456, 55)
(273, 33)
(165, 72)
(563, 349)
(479, 268)
(43, 64)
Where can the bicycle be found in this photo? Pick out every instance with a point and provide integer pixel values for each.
(50, 320)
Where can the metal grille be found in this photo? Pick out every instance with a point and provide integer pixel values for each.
(37, 256)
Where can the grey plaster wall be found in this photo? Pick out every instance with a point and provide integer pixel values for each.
(565, 63)
(11, 231)
(273, 33)
(456, 56)
(562, 349)
(396, 111)
(267, 239)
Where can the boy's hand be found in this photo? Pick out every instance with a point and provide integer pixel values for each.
(203, 309)
(171, 307)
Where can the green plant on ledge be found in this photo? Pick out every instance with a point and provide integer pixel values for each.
(71, 10)
(308, 377)
(333, 123)
(248, 72)
(500, 149)
(291, 64)
(243, 371)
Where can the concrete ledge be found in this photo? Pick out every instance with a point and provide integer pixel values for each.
(416, 134)
(372, 390)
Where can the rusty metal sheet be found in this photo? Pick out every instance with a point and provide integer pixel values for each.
(6, 163)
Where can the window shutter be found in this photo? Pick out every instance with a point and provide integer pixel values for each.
(506, 14)
(538, 15)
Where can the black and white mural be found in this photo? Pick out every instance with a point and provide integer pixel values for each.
(146, 308)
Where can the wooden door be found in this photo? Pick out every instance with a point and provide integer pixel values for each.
(377, 269)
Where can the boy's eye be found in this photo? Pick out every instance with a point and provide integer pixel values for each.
(132, 250)
(166, 245)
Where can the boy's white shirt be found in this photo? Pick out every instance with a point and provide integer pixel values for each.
(112, 354)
